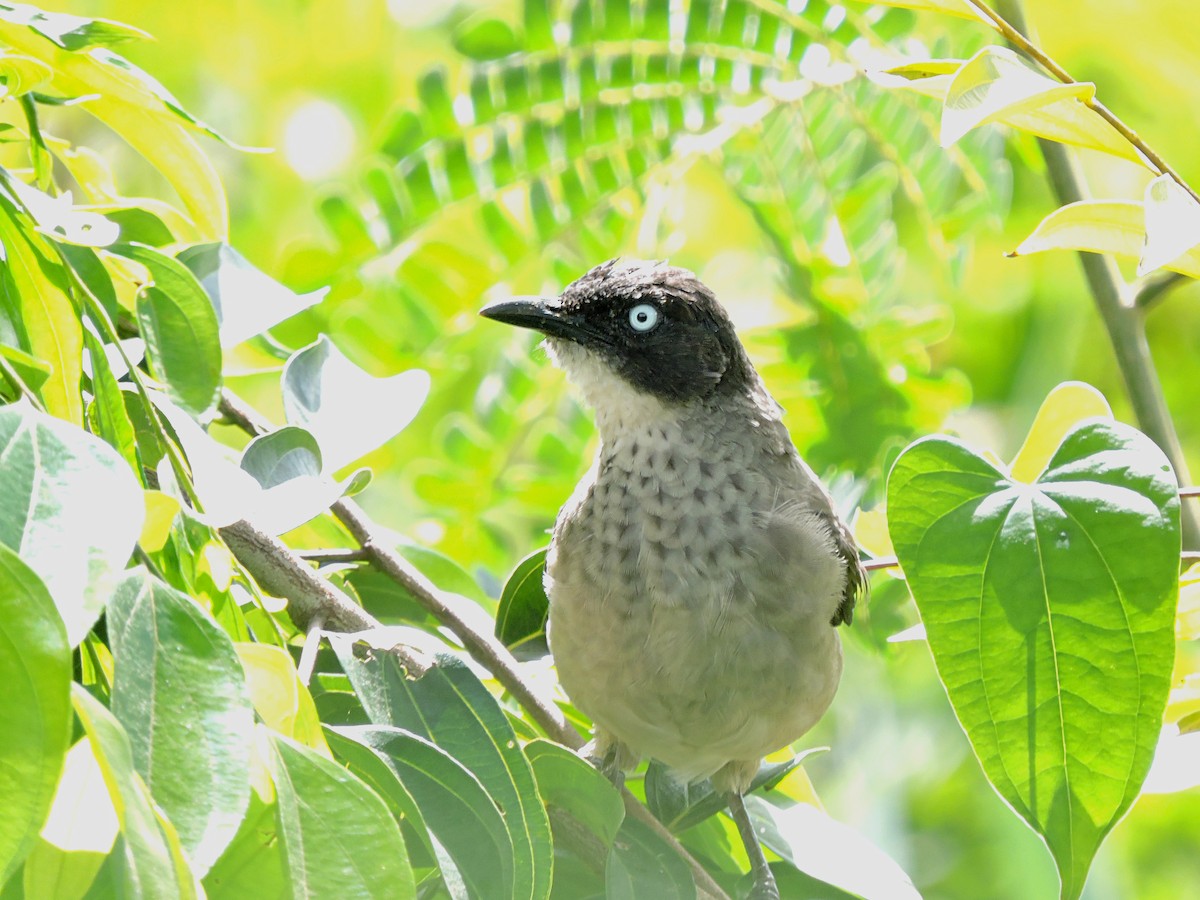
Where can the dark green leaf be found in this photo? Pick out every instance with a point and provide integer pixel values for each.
(180, 328)
(641, 864)
(1049, 609)
(338, 837)
(455, 807)
(71, 508)
(521, 615)
(180, 692)
(35, 717)
(449, 706)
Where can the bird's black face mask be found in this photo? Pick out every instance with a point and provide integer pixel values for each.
(655, 326)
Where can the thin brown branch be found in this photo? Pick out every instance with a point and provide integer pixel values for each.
(1189, 492)
(1013, 34)
(488, 651)
(880, 562)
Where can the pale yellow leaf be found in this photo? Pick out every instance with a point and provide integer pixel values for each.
(281, 701)
(1064, 407)
(996, 83)
(128, 106)
(21, 74)
(1100, 226)
(1187, 619)
(160, 513)
(950, 7)
(47, 314)
(871, 531)
(1172, 224)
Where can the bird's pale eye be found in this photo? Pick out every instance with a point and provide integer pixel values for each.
(643, 317)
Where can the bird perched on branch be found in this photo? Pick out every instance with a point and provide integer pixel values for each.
(698, 573)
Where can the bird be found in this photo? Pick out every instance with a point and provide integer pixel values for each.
(697, 575)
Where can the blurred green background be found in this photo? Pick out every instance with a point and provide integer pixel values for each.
(496, 449)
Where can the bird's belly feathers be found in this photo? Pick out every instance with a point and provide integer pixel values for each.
(690, 615)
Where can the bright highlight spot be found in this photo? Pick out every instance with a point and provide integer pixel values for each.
(318, 140)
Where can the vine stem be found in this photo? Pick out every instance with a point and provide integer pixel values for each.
(1114, 299)
(1014, 34)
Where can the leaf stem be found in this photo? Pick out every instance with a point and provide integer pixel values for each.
(1013, 33)
(1123, 320)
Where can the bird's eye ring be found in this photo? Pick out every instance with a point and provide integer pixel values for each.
(643, 317)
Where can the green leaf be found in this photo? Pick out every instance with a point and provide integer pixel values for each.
(106, 413)
(252, 865)
(521, 615)
(151, 861)
(79, 832)
(642, 864)
(72, 510)
(35, 717)
(324, 392)
(246, 300)
(1049, 609)
(21, 74)
(58, 218)
(180, 328)
(456, 808)
(36, 286)
(180, 692)
(280, 699)
(449, 706)
(571, 787)
(484, 39)
(338, 837)
(828, 850)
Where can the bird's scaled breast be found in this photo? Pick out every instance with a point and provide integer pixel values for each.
(690, 605)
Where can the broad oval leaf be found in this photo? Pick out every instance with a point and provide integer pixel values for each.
(35, 717)
(1049, 609)
(338, 837)
(1065, 406)
(154, 864)
(324, 392)
(180, 328)
(180, 692)
(280, 699)
(572, 787)
(1101, 226)
(72, 510)
(521, 614)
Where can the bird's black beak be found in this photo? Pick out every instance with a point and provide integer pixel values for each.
(544, 314)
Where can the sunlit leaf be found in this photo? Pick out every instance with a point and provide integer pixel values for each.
(870, 531)
(830, 851)
(106, 414)
(181, 695)
(51, 326)
(281, 701)
(996, 82)
(253, 864)
(59, 218)
(326, 393)
(79, 832)
(72, 510)
(338, 837)
(247, 301)
(35, 717)
(161, 510)
(70, 32)
(1187, 620)
(1172, 224)
(1049, 610)
(21, 74)
(154, 864)
(950, 7)
(1101, 226)
(485, 39)
(1065, 406)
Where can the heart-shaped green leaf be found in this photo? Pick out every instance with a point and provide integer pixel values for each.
(1049, 609)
